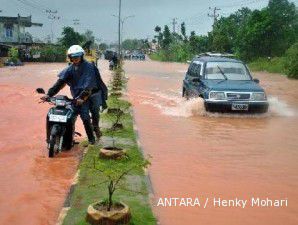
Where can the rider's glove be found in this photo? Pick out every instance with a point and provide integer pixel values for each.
(79, 102)
(45, 98)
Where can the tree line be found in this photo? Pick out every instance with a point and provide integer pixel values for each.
(249, 34)
(57, 52)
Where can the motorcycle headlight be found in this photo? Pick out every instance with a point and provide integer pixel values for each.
(258, 96)
(60, 102)
(217, 95)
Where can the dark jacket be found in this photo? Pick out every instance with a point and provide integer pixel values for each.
(101, 85)
(82, 80)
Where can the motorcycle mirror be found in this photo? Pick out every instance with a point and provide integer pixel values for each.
(40, 91)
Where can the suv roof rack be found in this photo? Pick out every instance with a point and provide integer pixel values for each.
(214, 54)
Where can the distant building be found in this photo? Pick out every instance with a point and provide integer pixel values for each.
(12, 30)
(4, 50)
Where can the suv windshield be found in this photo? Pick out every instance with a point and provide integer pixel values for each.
(226, 70)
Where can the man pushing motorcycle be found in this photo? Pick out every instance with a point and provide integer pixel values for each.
(86, 88)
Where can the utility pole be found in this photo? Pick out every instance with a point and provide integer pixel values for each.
(174, 23)
(19, 39)
(52, 15)
(214, 14)
(76, 22)
(122, 25)
(119, 30)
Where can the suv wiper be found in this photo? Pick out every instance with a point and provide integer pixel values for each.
(222, 72)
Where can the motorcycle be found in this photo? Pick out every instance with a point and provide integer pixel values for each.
(60, 123)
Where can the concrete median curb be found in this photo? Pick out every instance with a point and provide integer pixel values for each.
(66, 205)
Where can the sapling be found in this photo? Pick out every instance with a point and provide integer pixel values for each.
(117, 115)
(116, 171)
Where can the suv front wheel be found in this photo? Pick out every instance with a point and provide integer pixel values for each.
(185, 94)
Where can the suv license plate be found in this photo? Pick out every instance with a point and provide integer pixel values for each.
(239, 107)
(58, 118)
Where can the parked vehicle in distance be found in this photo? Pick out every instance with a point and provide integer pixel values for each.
(108, 54)
(138, 55)
(127, 55)
(9, 62)
(225, 84)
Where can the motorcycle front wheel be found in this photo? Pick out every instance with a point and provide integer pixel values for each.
(54, 145)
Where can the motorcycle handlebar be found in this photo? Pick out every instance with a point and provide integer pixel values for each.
(53, 99)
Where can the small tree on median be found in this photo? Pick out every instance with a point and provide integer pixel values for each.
(115, 171)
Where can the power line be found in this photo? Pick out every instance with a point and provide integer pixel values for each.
(24, 7)
(241, 3)
(193, 17)
(29, 7)
(24, 2)
(34, 5)
(39, 4)
(38, 8)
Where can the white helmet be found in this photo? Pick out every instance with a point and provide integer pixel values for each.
(75, 51)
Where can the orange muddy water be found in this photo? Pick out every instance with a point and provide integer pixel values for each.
(203, 155)
(32, 186)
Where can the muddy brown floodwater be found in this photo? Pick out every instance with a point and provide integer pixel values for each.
(32, 186)
(198, 154)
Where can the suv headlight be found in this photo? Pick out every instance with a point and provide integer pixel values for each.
(258, 96)
(60, 102)
(217, 95)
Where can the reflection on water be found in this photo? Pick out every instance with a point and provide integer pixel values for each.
(196, 153)
(32, 186)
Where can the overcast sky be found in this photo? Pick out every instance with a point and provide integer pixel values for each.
(96, 15)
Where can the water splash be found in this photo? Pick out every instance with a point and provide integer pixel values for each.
(280, 108)
(172, 104)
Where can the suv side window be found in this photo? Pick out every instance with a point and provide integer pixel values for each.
(195, 70)
(190, 69)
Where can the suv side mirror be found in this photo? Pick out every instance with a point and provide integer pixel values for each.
(256, 81)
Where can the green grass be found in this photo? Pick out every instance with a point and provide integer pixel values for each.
(90, 188)
(172, 56)
(157, 56)
(275, 65)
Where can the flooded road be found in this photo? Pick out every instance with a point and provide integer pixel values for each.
(204, 155)
(32, 186)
